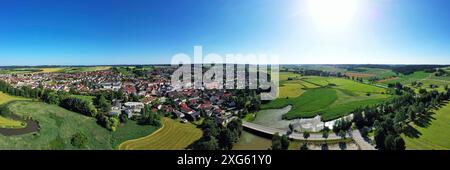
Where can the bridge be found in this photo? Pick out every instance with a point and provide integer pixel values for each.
(355, 135)
(294, 135)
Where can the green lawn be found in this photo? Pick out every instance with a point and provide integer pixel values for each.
(434, 137)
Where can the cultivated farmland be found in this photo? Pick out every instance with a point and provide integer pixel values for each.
(329, 97)
(172, 136)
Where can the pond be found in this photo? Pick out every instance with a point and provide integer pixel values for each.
(273, 118)
(250, 141)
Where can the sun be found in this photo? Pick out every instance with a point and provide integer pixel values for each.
(332, 14)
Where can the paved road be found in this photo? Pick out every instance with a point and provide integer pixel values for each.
(356, 135)
(295, 135)
(363, 144)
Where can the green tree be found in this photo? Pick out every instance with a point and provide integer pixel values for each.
(304, 146)
(226, 139)
(342, 134)
(104, 105)
(306, 135)
(210, 144)
(325, 134)
(78, 140)
(380, 138)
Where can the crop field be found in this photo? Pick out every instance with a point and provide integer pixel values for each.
(130, 130)
(84, 69)
(329, 97)
(52, 69)
(365, 72)
(172, 136)
(290, 90)
(436, 136)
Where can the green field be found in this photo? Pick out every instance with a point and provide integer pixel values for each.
(10, 123)
(434, 137)
(407, 79)
(84, 97)
(328, 96)
(83, 69)
(52, 69)
(5, 98)
(58, 125)
(172, 136)
(130, 130)
(6, 122)
(366, 72)
(425, 78)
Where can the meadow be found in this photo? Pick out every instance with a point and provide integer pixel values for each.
(6, 122)
(172, 136)
(426, 79)
(58, 125)
(435, 136)
(329, 97)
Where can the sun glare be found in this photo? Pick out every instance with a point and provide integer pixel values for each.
(332, 14)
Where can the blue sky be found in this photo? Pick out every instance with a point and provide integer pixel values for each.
(91, 32)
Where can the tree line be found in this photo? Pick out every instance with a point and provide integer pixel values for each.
(392, 118)
(217, 136)
(99, 108)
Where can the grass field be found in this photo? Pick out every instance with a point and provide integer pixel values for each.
(6, 122)
(434, 137)
(425, 78)
(172, 136)
(130, 130)
(328, 96)
(52, 69)
(84, 97)
(10, 123)
(5, 98)
(57, 127)
(83, 69)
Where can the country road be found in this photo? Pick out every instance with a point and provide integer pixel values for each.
(355, 135)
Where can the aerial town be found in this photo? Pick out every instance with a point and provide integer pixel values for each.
(189, 103)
